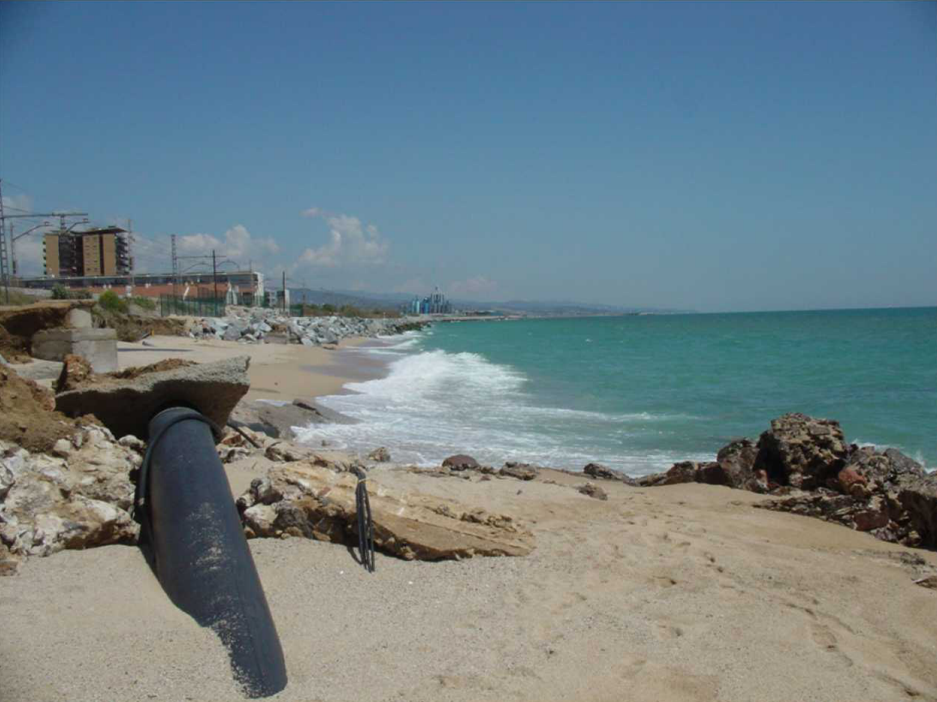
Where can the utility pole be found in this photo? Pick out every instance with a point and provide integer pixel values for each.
(175, 267)
(3, 248)
(214, 275)
(130, 242)
(4, 262)
(284, 291)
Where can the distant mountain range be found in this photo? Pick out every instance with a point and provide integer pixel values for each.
(394, 301)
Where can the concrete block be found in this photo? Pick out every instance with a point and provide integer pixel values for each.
(126, 406)
(78, 318)
(97, 346)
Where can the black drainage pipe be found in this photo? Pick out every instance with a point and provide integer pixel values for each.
(201, 557)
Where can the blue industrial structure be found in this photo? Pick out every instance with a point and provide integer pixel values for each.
(432, 304)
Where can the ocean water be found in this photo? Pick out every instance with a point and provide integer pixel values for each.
(638, 393)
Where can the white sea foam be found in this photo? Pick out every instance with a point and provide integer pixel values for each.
(915, 455)
(433, 404)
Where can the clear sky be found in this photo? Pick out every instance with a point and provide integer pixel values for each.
(714, 156)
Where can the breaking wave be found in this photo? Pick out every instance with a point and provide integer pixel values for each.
(432, 404)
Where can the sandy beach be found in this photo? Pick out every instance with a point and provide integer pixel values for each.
(277, 371)
(683, 592)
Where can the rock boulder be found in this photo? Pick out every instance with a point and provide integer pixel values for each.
(460, 462)
(802, 451)
(600, 472)
(918, 496)
(303, 499)
(381, 455)
(521, 471)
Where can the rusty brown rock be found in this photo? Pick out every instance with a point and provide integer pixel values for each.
(802, 451)
(850, 482)
(460, 462)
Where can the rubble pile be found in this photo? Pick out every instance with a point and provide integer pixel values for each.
(77, 496)
(257, 325)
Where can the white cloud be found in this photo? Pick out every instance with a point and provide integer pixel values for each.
(350, 242)
(17, 204)
(29, 254)
(237, 245)
(478, 285)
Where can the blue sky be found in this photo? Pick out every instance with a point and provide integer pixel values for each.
(736, 156)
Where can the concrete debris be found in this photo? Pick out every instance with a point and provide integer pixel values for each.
(77, 497)
(126, 405)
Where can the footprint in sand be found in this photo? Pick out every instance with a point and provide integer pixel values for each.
(668, 631)
(823, 637)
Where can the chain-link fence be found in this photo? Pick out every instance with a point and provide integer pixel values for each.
(192, 306)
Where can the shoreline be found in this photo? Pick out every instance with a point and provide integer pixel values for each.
(648, 593)
(277, 371)
(286, 373)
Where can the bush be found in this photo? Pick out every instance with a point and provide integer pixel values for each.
(144, 302)
(112, 302)
(60, 292)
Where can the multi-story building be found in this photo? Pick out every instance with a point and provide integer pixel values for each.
(95, 252)
(431, 304)
(277, 298)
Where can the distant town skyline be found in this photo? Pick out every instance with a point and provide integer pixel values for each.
(706, 156)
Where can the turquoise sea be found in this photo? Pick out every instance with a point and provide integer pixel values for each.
(641, 392)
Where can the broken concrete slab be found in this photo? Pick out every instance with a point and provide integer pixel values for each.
(98, 346)
(37, 369)
(302, 499)
(125, 406)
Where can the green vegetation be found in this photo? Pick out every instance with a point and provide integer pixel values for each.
(145, 303)
(60, 292)
(329, 309)
(17, 299)
(112, 302)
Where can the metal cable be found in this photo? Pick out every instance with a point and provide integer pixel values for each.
(365, 521)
